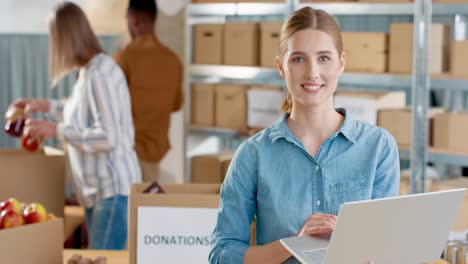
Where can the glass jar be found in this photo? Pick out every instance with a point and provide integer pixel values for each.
(14, 121)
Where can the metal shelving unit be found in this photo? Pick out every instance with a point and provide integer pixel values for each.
(216, 13)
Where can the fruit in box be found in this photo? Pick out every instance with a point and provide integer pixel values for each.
(10, 218)
(11, 204)
(35, 212)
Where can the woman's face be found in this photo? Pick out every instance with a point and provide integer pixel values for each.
(311, 66)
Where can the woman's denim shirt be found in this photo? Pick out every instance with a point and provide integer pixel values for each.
(274, 178)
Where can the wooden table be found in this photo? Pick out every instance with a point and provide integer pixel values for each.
(113, 256)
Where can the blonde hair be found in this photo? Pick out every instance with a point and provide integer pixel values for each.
(308, 18)
(72, 42)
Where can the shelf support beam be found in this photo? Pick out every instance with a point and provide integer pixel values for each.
(420, 86)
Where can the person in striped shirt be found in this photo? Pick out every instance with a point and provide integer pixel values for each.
(95, 122)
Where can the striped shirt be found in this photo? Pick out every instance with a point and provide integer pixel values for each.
(96, 123)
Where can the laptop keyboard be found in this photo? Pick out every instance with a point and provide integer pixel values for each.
(315, 256)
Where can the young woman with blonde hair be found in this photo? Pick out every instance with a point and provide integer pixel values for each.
(293, 176)
(95, 122)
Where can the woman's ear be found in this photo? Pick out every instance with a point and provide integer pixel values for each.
(280, 67)
(342, 62)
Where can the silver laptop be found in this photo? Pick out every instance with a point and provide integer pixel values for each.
(408, 229)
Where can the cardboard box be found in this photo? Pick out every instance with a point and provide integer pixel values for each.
(365, 51)
(176, 196)
(398, 123)
(33, 177)
(461, 223)
(269, 43)
(202, 104)
(39, 243)
(364, 106)
(450, 131)
(231, 107)
(208, 46)
(401, 48)
(241, 44)
(458, 55)
(264, 106)
(210, 168)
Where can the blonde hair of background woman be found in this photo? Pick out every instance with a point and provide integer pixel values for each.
(308, 18)
(72, 42)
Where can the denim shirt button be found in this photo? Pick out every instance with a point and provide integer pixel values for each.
(317, 202)
(317, 167)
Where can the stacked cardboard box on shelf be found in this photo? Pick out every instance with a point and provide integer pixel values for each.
(269, 43)
(450, 131)
(398, 123)
(210, 168)
(231, 107)
(401, 48)
(203, 104)
(208, 48)
(458, 61)
(365, 51)
(235, 106)
(241, 44)
(364, 106)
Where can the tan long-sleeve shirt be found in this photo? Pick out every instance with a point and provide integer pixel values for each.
(154, 75)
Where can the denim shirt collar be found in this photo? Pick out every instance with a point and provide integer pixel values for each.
(281, 130)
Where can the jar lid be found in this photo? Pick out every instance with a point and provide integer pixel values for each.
(13, 113)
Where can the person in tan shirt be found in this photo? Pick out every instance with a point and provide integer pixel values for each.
(154, 76)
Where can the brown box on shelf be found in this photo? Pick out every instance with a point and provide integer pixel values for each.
(365, 51)
(210, 168)
(364, 106)
(458, 58)
(202, 104)
(231, 107)
(401, 48)
(461, 222)
(33, 243)
(398, 123)
(450, 131)
(33, 177)
(269, 43)
(241, 44)
(208, 46)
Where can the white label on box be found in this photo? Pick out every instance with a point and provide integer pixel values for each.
(174, 234)
(264, 107)
(358, 108)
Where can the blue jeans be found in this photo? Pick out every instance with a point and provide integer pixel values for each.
(107, 223)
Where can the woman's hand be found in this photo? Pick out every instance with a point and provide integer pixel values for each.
(31, 105)
(39, 130)
(318, 224)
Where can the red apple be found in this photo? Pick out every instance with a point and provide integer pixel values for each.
(10, 218)
(29, 144)
(11, 204)
(34, 213)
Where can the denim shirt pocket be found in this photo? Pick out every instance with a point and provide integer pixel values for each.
(342, 192)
